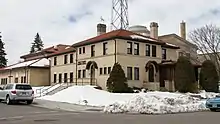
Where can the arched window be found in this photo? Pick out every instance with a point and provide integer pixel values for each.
(151, 73)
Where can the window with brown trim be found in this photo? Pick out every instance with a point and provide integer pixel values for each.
(71, 58)
(147, 50)
(129, 47)
(129, 73)
(154, 51)
(136, 48)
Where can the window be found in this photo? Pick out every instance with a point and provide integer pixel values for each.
(16, 80)
(65, 78)
(188, 55)
(105, 70)
(80, 50)
(79, 73)
(25, 79)
(55, 78)
(22, 79)
(4, 81)
(151, 73)
(129, 73)
(136, 48)
(22, 87)
(109, 70)
(84, 50)
(92, 50)
(136, 73)
(55, 61)
(129, 47)
(65, 59)
(180, 53)
(60, 78)
(71, 77)
(147, 50)
(100, 71)
(164, 53)
(154, 51)
(84, 73)
(105, 48)
(71, 58)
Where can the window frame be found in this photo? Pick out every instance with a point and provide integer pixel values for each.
(147, 50)
(164, 53)
(92, 50)
(65, 59)
(55, 61)
(129, 48)
(71, 58)
(136, 73)
(154, 51)
(105, 48)
(129, 74)
(136, 50)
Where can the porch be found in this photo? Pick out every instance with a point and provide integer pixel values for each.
(162, 75)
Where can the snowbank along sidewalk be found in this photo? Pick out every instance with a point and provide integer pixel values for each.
(145, 103)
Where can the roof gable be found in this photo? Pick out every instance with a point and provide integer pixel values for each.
(179, 38)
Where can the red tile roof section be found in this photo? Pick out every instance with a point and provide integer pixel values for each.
(50, 51)
(115, 34)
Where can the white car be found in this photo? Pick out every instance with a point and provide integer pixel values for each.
(12, 93)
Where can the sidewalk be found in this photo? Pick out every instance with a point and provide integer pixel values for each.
(65, 106)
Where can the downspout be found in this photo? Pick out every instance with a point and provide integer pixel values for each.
(76, 64)
(115, 51)
(50, 72)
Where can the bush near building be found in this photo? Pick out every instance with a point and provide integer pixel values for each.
(117, 82)
(185, 80)
(209, 77)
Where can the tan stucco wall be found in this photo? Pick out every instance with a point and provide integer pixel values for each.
(63, 68)
(39, 77)
(108, 61)
(182, 44)
(34, 76)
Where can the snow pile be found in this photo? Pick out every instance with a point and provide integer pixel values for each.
(204, 95)
(146, 104)
(87, 95)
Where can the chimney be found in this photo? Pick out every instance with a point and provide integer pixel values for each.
(101, 29)
(154, 30)
(183, 30)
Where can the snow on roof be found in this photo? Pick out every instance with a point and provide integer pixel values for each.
(33, 63)
(41, 63)
(171, 44)
(140, 37)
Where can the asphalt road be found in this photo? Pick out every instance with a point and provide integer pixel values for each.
(24, 114)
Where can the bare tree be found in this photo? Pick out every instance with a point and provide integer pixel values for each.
(207, 39)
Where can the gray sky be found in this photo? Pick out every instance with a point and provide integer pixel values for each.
(69, 21)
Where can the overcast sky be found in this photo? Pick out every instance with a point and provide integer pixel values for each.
(69, 21)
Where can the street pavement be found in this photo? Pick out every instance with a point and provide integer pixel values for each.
(27, 114)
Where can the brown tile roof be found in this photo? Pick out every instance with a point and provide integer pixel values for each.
(50, 51)
(122, 34)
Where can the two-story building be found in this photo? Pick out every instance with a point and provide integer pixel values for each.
(142, 58)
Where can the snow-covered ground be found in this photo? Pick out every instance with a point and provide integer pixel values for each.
(147, 103)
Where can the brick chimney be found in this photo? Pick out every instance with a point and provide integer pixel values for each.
(183, 30)
(101, 29)
(154, 30)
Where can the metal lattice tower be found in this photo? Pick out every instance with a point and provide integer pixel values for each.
(119, 18)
